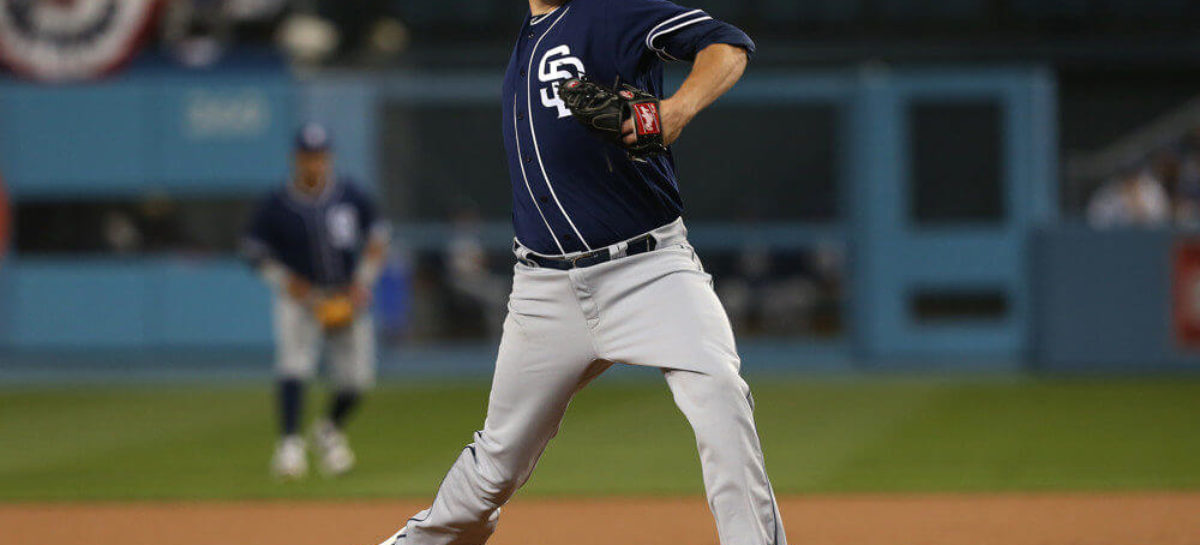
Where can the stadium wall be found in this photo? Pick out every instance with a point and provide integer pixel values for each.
(1113, 301)
(228, 134)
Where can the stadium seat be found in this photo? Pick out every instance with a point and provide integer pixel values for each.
(810, 11)
(1142, 9)
(1039, 9)
(467, 12)
(725, 9)
(914, 10)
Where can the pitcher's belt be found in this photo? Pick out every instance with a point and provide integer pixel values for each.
(635, 246)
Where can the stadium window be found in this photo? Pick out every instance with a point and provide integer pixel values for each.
(956, 170)
(932, 306)
(794, 179)
(129, 227)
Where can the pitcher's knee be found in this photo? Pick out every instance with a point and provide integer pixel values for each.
(492, 483)
(728, 381)
(499, 474)
(723, 389)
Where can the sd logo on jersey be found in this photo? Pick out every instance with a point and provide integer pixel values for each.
(343, 227)
(553, 69)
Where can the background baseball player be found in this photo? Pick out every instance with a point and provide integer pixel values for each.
(605, 273)
(320, 244)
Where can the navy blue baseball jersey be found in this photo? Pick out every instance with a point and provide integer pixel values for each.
(320, 238)
(573, 191)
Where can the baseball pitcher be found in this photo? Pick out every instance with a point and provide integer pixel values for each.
(320, 244)
(605, 274)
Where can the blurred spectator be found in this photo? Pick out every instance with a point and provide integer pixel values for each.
(1134, 198)
(5, 220)
(308, 39)
(1187, 188)
(1165, 190)
(364, 30)
(762, 297)
(368, 28)
(200, 32)
(160, 220)
(470, 276)
(121, 234)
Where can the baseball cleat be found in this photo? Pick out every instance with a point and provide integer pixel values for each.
(290, 461)
(397, 538)
(336, 458)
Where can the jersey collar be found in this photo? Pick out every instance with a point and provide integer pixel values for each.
(300, 198)
(535, 19)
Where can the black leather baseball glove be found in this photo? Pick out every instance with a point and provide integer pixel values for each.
(604, 110)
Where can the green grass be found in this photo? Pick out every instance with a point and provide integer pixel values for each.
(625, 438)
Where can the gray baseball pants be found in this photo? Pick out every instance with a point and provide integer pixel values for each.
(299, 339)
(565, 328)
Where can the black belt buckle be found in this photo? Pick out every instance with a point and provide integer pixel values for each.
(647, 243)
(591, 258)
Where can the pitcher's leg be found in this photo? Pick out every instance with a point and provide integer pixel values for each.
(539, 368)
(660, 310)
(720, 410)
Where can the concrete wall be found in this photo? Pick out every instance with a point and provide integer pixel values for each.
(229, 135)
(1104, 302)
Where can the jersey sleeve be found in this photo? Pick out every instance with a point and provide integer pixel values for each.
(369, 221)
(670, 31)
(259, 241)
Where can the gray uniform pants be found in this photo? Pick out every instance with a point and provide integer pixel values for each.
(563, 329)
(298, 342)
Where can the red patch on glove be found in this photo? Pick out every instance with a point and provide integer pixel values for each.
(645, 117)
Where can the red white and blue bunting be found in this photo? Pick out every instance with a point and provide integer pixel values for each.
(72, 40)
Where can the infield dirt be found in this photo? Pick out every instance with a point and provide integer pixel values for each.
(1099, 519)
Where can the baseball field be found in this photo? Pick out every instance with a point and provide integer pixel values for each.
(1010, 461)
